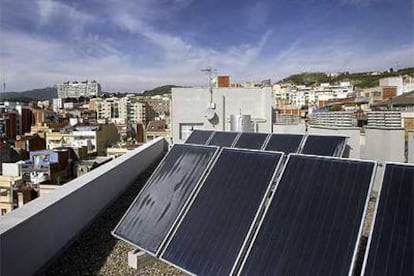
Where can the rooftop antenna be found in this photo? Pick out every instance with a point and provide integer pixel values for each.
(210, 70)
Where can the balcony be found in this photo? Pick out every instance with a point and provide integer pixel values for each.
(77, 217)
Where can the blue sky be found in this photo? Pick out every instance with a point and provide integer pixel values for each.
(135, 45)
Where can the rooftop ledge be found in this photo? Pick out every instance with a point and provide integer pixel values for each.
(31, 236)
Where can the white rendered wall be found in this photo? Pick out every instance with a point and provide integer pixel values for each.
(384, 144)
(32, 235)
(188, 106)
(289, 128)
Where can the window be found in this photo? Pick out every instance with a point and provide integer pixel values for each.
(186, 129)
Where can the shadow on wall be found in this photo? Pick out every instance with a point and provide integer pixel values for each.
(93, 252)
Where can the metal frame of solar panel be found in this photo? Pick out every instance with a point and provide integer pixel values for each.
(251, 140)
(285, 144)
(290, 240)
(323, 146)
(222, 138)
(390, 216)
(180, 172)
(199, 137)
(217, 213)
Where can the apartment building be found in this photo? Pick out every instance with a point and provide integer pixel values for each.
(124, 110)
(302, 95)
(77, 89)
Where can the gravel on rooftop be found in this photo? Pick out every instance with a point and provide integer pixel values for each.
(97, 252)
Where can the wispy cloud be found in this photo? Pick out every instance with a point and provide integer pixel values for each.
(129, 45)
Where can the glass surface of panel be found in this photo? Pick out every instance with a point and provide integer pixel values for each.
(211, 235)
(313, 222)
(391, 251)
(152, 214)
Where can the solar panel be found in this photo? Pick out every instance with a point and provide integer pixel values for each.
(211, 235)
(313, 222)
(223, 139)
(324, 145)
(287, 143)
(152, 214)
(391, 247)
(199, 137)
(251, 140)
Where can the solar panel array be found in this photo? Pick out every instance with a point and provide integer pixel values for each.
(217, 210)
(391, 248)
(219, 224)
(324, 145)
(288, 143)
(313, 222)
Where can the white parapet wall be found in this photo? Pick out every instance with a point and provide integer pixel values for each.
(353, 134)
(384, 144)
(37, 232)
(289, 128)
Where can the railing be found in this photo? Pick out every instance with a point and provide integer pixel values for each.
(35, 233)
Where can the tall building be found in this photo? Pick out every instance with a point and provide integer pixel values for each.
(77, 89)
(121, 110)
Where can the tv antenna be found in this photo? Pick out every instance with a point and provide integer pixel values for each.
(210, 72)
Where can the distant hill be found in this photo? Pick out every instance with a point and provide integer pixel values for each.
(41, 94)
(165, 89)
(360, 80)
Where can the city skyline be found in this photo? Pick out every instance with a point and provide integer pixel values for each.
(135, 45)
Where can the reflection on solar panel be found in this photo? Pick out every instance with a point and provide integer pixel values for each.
(313, 222)
(223, 139)
(150, 217)
(324, 145)
(199, 137)
(209, 239)
(287, 143)
(251, 140)
(391, 251)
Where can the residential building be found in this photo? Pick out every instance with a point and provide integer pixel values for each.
(124, 110)
(8, 194)
(77, 89)
(156, 129)
(402, 84)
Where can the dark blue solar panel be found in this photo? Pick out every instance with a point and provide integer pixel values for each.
(287, 143)
(212, 233)
(150, 217)
(313, 222)
(391, 251)
(223, 139)
(199, 137)
(249, 140)
(324, 145)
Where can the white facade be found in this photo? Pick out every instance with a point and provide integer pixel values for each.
(301, 95)
(78, 89)
(403, 84)
(121, 110)
(57, 104)
(189, 109)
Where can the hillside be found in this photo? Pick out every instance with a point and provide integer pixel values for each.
(47, 93)
(360, 80)
(165, 89)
